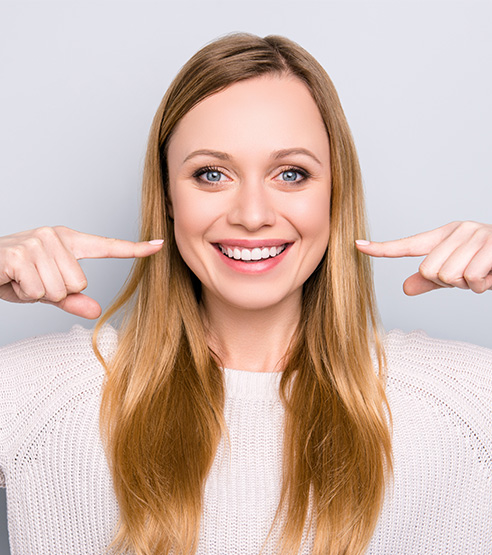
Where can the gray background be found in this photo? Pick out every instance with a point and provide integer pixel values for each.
(79, 85)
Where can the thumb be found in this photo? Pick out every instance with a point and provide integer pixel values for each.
(416, 284)
(79, 305)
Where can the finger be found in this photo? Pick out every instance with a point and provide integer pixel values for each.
(416, 245)
(416, 284)
(446, 263)
(83, 245)
(42, 251)
(26, 285)
(478, 273)
(12, 293)
(54, 285)
(79, 305)
(69, 269)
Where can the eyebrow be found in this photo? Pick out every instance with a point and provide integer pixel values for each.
(215, 153)
(289, 151)
(276, 155)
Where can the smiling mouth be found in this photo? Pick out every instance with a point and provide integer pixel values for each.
(251, 255)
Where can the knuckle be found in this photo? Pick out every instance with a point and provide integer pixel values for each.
(477, 285)
(482, 234)
(15, 253)
(77, 285)
(472, 277)
(427, 271)
(37, 296)
(445, 277)
(32, 294)
(450, 279)
(64, 234)
(469, 226)
(27, 298)
(44, 233)
(60, 229)
(56, 296)
(14, 259)
(22, 296)
(33, 243)
(453, 226)
(82, 284)
(479, 289)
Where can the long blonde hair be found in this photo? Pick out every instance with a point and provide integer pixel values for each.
(162, 406)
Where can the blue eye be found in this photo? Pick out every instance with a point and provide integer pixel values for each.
(213, 175)
(293, 175)
(209, 175)
(290, 175)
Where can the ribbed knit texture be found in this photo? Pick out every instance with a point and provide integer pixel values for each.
(59, 492)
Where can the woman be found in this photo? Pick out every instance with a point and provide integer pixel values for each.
(246, 402)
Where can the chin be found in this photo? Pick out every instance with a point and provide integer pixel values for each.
(256, 300)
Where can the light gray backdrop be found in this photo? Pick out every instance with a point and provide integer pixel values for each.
(79, 85)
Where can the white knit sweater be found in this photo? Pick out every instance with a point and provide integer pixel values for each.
(59, 492)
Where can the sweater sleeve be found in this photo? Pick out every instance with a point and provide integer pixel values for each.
(33, 373)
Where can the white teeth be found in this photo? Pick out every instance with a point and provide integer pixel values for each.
(256, 253)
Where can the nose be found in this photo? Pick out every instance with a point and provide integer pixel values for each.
(253, 206)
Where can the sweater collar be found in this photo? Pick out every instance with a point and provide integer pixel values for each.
(252, 385)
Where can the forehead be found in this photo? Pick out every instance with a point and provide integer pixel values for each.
(263, 113)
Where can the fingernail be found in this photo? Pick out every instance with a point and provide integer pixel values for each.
(363, 242)
(156, 241)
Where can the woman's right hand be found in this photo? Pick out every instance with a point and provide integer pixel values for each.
(42, 265)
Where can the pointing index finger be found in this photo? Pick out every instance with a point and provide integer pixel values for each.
(83, 245)
(416, 245)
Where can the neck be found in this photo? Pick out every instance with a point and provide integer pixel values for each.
(252, 340)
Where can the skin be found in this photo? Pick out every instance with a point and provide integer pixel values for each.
(250, 317)
(41, 265)
(251, 121)
(458, 254)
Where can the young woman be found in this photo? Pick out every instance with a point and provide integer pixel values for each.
(247, 402)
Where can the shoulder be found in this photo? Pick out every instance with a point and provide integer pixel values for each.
(416, 356)
(45, 372)
(440, 396)
(43, 380)
(443, 387)
(52, 350)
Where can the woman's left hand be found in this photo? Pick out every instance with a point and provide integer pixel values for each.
(458, 254)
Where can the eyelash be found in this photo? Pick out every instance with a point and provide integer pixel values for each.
(303, 173)
(206, 169)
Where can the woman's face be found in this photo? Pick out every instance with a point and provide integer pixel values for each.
(249, 185)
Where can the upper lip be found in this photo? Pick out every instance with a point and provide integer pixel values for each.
(252, 243)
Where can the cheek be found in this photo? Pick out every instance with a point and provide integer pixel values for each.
(312, 216)
(193, 216)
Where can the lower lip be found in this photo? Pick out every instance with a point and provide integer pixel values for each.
(259, 267)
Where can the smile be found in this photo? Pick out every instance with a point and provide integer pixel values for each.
(251, 255)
